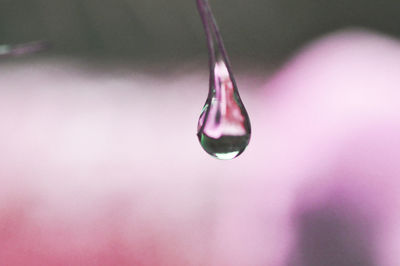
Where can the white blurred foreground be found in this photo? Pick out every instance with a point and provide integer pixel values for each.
(106, 169)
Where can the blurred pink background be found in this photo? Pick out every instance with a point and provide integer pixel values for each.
(102, 166)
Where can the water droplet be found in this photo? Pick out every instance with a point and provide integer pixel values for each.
(224, 126)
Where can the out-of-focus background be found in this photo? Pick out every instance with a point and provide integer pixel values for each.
(262, 31)
(99, 159)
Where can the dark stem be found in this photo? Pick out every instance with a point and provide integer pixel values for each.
(209, 36)
(212, 30)
(217, 33)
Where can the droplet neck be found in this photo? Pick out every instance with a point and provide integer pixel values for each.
(215, 46)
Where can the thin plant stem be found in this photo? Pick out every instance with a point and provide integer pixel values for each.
(212, 30)
(209, 35)
(216, 31)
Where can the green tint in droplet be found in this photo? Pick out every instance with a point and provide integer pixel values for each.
(226, 147)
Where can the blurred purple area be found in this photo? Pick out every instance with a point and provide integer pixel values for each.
(102, 166)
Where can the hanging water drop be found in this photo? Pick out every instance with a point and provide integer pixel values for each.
(224, 127)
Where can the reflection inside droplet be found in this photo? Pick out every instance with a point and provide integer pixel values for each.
(224, 126)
